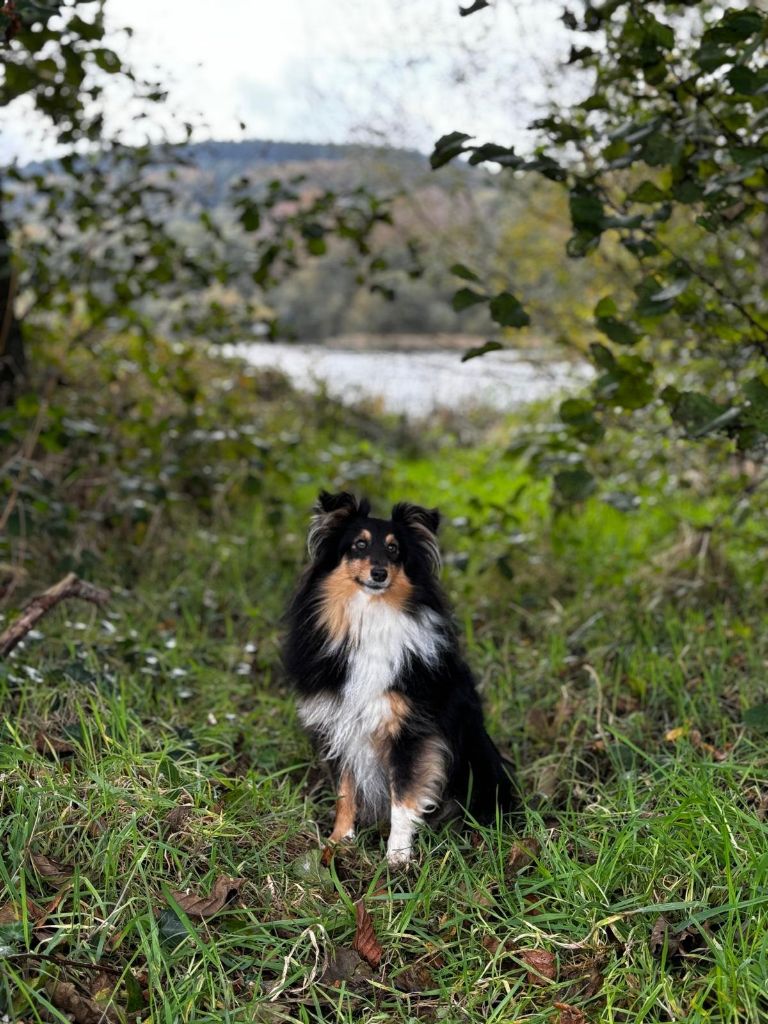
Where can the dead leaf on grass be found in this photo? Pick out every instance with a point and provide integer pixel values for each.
(673, 735)
(546, 778)
(522, 853)
(570, 1014)
(717, 754)
(45, 744)
(12, 913)
(345, 967)
(83, 1009)
(176, 818)
(541, 964)
(49, 869)
(366, 943)
(679, 943)
(224, 890)
(538, 723)
(417, 978)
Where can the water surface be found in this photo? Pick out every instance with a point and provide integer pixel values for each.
(417, 383)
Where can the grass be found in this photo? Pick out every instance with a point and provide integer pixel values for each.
(150, 749)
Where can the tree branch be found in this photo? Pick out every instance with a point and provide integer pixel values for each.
(70, 586)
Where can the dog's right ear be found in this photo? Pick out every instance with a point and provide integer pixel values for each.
(331, 513)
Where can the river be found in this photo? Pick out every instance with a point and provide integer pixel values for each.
(417, 383)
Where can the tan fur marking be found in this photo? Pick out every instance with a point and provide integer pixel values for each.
(390, 539)
(337, 589)
(400, 710)
(364, 535)
(400, 588)
(345, 809)
(389, 730)
(429, 777)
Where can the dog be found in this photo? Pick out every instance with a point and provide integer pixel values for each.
(373, 654)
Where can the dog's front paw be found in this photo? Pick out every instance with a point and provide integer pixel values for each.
(342, 837)
(399, 859)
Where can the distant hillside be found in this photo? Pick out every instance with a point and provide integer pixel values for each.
(220, 164)
(510, 230)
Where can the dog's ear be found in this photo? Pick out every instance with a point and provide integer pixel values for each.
(424, 524)
(330, 514)
(414, 515)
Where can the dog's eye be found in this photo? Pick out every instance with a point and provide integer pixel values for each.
(392, 549)
(361, 544)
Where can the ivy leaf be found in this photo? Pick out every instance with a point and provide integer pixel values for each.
(575, 484)
(756, 717)
(602, 356)
(617, 330)
(757, 412)
(478, 5)
(465, 297)
(710, 57)
(647, 192)
(671, 291)
(579, 415)
(462, 271)
(250, 218)
(747, 81)
(480, 350)
(698, 414)
(447, 147)
(508, 311)
(586, 210)
(492, 153)
(735, 26)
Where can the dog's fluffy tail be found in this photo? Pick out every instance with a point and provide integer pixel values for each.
(492, 787)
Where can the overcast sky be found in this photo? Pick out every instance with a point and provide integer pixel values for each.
(397, 71)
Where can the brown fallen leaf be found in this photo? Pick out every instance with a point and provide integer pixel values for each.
(44, 931)
(176, 818)
(366, 943)
(570, 1014)
(45, 744)
(522, 853)
(714, 752)
(11, 912)
(345, 967)
(49, 869)
(417, 978)
(102, 987)
(673, 735)
(659, 934)
(679, 943)
(541, 964)
(83, 1010)
(224, 889)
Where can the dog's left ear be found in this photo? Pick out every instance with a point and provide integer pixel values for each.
(415, 515)
(424, 523)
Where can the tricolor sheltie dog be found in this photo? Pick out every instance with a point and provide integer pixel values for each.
(382, 688)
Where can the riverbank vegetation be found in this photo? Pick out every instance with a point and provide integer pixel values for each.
(150, 752)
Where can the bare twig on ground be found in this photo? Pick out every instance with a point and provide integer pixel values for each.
(70, 586)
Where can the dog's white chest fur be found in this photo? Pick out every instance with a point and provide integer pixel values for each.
(379, 641)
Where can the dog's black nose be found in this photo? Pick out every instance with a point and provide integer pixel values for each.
(378, 575)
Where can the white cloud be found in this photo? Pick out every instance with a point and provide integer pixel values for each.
(400, 71)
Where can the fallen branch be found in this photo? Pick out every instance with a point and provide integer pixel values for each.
(70, 586)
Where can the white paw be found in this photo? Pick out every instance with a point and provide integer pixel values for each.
(400, 858)
(347, 837)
